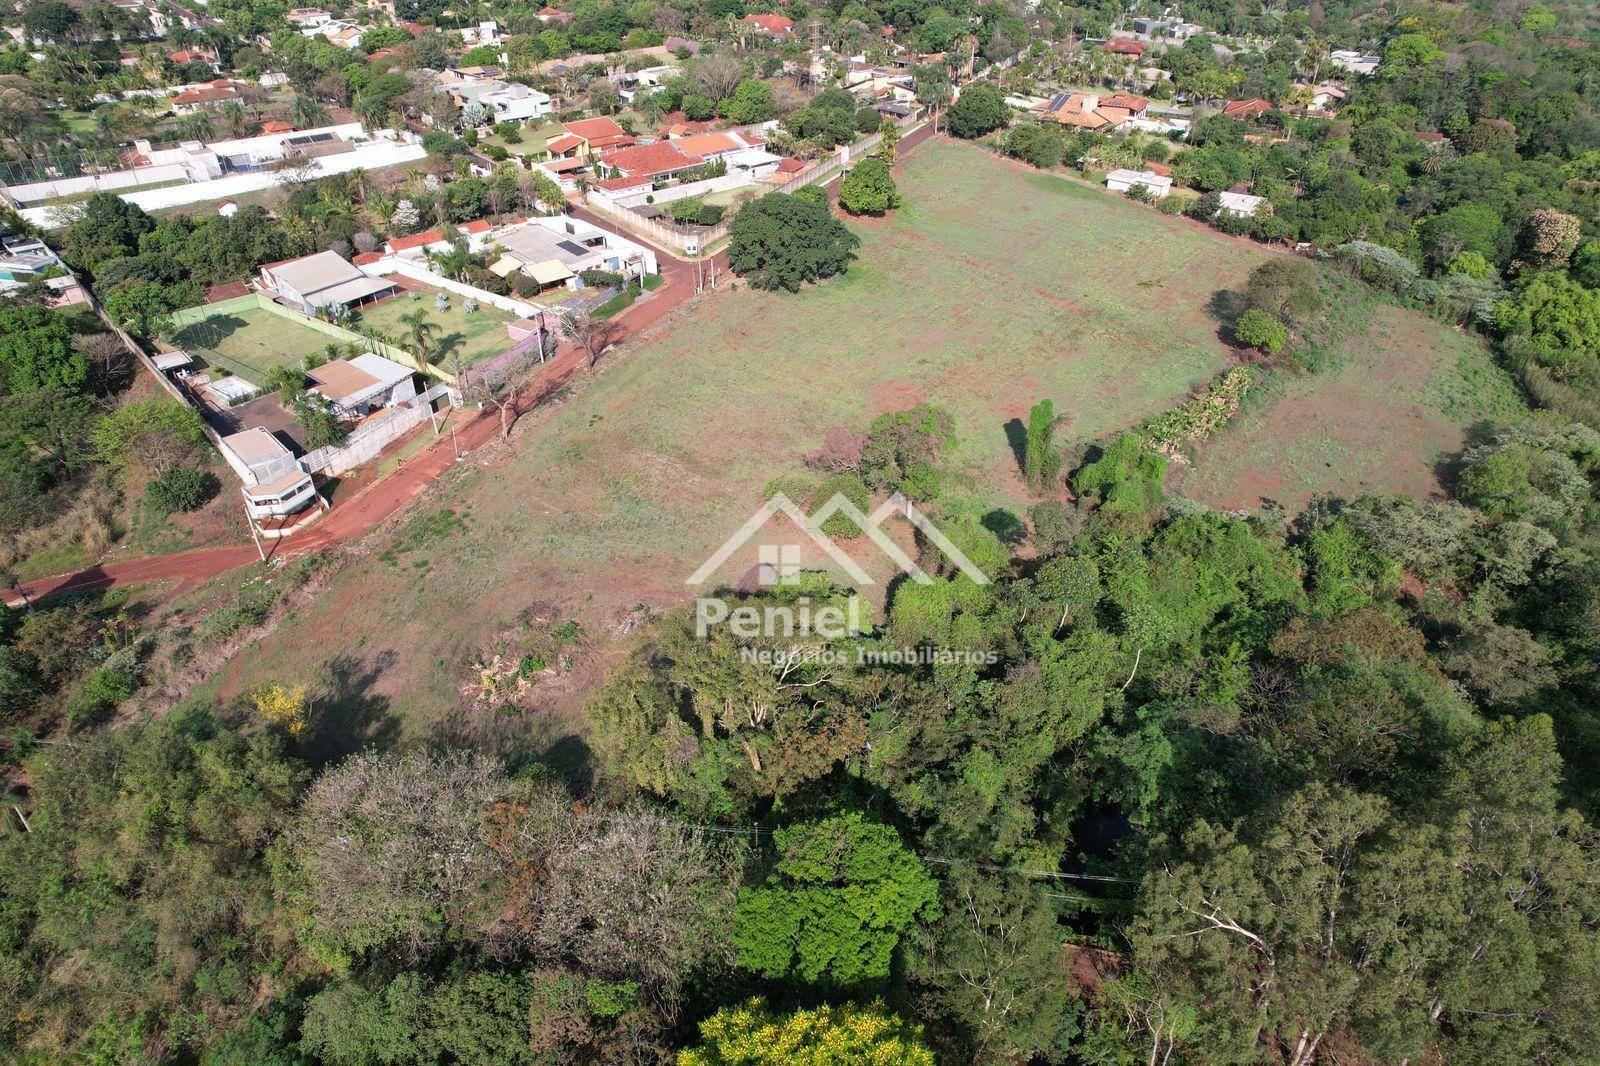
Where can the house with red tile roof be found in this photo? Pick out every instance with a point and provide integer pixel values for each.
(277, 126)
(1090, 111)
(417, 245)
(201, 97)
(193, 55)
(1123, 47)
(655, 161)
(787, 169)
(710, 145)
(771, 25)
(588, 137)
(1246, 109)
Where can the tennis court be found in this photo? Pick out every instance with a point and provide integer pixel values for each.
(250, 342)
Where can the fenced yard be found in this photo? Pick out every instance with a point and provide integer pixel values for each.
(470, 336)
(250, 341)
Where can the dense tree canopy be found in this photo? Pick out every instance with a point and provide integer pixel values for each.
(786, 242)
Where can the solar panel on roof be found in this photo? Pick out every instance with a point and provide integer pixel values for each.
(1058, 101)
(574, 248)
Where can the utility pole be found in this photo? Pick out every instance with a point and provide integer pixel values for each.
(453, 443)
(251, 522)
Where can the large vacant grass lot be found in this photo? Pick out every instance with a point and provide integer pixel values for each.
(993, 287)
(1401, 397)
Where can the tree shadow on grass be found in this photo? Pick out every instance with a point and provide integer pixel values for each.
(1448, 467)
(1225, 307)
(1005, 526)
(521, 739)
(1017, 437)
(350, 716)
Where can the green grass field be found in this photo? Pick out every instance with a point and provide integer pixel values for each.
(473, 336)
(994, 287)
(250, 342)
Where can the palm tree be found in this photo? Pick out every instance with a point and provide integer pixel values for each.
(306, 112)
(236, 117)
(422, 331)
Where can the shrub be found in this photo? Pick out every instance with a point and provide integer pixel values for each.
(1126, 479)
(99, 696)
(981, 110)
(869, 189)
(796, 487)
(840, 525)
(1202, 415)
(181, 488)
(599, 278)
(1377, 265)
(1259, 330)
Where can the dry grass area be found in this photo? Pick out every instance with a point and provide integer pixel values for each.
(993, 288)
(1400, 400)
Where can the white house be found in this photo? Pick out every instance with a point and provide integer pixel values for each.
(1327, 97)
(1240, 204)
(357, 387)
(321, 280)
(275, 485)
(1157, 185)
(306, 18)
(483, 33)
(513, 102)
(555, 250)
(1354, 62)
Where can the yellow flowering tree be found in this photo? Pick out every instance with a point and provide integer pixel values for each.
(284, 707)
(752, 1034)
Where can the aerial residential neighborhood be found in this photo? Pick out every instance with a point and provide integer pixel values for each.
(750, 531)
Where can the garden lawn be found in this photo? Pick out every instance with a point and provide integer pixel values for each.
(250, 342)
(994, 287)
(473, 336)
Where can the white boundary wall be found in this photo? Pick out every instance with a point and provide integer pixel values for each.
(367, 156)
(739, 180)
(117, 179)
(366, 442)
(410, 268)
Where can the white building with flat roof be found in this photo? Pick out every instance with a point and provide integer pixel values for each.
(275, 485)
(325, 279)
(513, 102)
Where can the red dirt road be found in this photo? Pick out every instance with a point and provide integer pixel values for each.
(356, 517)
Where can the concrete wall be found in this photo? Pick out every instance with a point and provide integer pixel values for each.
(112, 182)
(739, 180)
(416, 271)
(368, 156)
